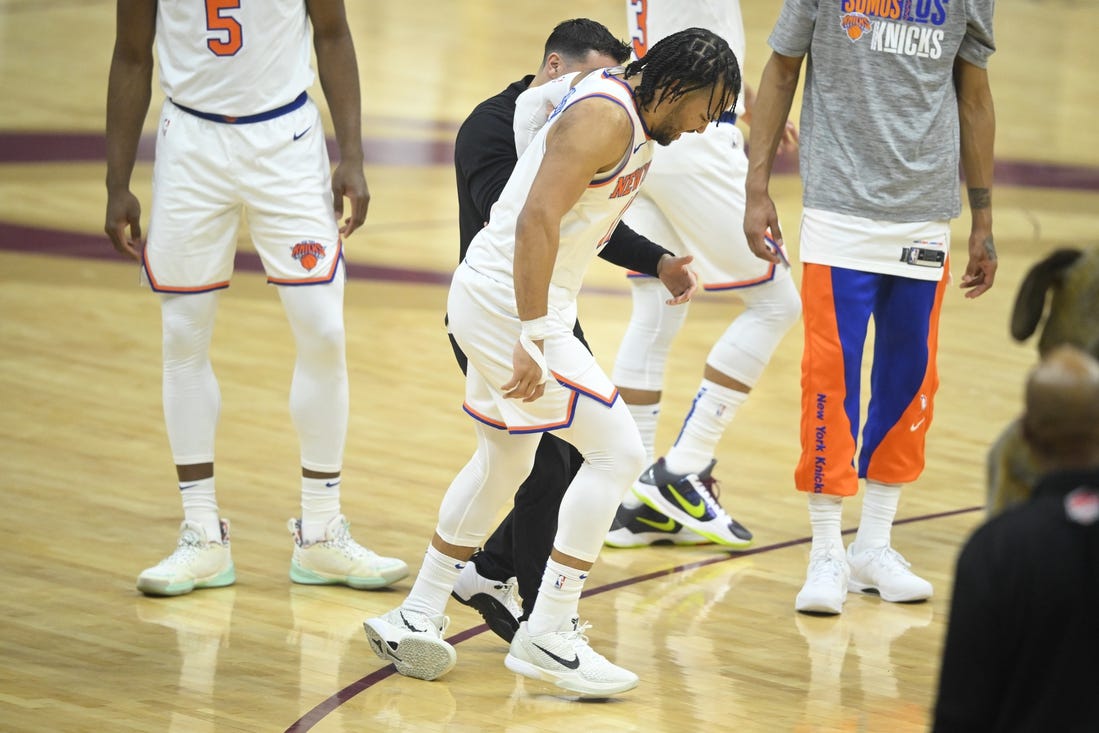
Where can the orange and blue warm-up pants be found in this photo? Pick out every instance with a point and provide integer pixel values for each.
(838, 304)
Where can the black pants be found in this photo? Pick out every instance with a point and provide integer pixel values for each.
(522, 542)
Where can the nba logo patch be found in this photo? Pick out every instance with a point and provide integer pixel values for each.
(308, 254)
(560, 582)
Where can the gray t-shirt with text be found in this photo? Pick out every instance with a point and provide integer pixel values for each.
(879, 119)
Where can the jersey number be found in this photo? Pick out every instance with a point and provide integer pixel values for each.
(230, 37)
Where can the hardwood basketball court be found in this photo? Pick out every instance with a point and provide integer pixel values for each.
(89, 489)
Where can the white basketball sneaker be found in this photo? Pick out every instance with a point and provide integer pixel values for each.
(565, 659)
(413, 642)
(197, 562)
(340, 560)
(825, 587)
(884, 571)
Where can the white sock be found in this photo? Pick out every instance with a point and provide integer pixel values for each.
(646, 418)
(879, 507)
(200, 505)
(558, 598)
(433, 584)
(320, 502)
(713, 409)
(826, 519)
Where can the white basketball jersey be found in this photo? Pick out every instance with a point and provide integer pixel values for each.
(650, 21)
(588, 225)
(233, 57)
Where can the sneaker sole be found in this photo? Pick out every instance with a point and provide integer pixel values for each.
(818, 608)
(671, 510)
(159, 587)
(415, 656)
(298, 574)
(494, 613)
(873, 590)
(654, 539)
(570, 683)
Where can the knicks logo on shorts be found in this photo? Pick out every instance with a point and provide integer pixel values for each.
(855, 24)
(308, 254)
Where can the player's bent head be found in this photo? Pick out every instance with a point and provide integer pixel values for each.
(690, 60)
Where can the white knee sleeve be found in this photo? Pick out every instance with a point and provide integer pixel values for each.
(653, 326)
(192, 399)
(744, 349)
(318, 392)
(613, 458)
(471, 504)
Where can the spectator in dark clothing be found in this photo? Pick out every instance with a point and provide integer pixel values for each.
(1022, 645)
(484, 156)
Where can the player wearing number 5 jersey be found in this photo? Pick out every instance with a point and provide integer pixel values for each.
(238, 132)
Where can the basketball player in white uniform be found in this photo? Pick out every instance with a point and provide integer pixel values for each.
(693, 203)
(512, 307)
(237, 132)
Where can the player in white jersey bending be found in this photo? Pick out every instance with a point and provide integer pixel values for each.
(239, 132)
(693, 203)
(512, 307)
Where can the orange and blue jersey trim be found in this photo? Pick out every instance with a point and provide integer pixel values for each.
(628, 88)
(717, 287)
(570, 411)
(157, 287)
(605, 178)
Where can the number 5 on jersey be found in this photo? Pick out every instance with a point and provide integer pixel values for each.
(229, 36)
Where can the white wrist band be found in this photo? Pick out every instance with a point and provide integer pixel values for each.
(535, 330)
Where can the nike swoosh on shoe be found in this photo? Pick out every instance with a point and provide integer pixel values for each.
(573, 663)
(696, 510)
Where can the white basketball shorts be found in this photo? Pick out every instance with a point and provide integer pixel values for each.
(692, 202)
(206, 173)
(484, 322)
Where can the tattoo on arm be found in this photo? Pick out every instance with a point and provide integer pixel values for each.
(980, 198)
(990, 247)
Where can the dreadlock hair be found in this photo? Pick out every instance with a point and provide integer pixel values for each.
(691, 59)
(578, 37)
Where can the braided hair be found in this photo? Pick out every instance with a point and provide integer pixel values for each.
(691, 59)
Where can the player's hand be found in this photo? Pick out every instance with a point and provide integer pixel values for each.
(761, 220)
(677, 277)
(124, 212)
(980, 272)
(528, 377)
(349, 181)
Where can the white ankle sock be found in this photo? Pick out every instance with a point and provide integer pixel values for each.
(433, 584)
(713, 409)
(200, 505)
(558, 598)
(320, 502)
(826, 519)
(879, 508)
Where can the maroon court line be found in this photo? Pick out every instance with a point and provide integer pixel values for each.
(35, 146)
(318, 713)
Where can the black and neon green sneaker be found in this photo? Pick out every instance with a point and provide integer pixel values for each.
(690, 500)
(643, 526)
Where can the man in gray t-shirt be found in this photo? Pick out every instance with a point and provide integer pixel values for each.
(896, 96)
